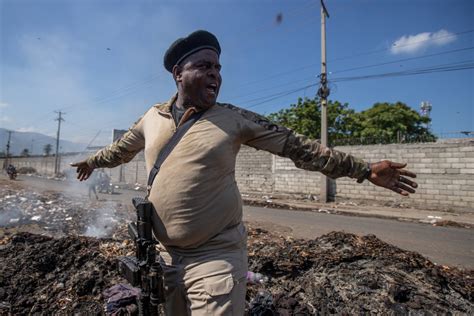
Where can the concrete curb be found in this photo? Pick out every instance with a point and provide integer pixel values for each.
(440, 219)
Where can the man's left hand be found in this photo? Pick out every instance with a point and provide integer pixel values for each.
(391, 175)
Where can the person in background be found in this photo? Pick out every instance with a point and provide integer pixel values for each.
(92, 185)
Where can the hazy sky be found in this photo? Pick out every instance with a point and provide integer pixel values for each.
(101, 61)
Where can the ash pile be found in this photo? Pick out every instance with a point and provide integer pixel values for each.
(58, 271)
(341, 273)
(46, 275)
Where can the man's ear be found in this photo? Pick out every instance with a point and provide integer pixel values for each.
(177, 71)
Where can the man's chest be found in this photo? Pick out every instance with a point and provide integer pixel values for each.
(212, 141)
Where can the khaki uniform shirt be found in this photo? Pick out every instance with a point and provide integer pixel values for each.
(197, 202)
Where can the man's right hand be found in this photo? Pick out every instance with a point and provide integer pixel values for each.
(83, 170)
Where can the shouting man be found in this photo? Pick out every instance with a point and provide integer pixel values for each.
(198, 216)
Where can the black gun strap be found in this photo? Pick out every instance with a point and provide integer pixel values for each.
(174, 140)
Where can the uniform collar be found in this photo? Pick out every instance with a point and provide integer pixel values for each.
(165, 108)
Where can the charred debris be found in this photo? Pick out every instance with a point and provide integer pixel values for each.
(58, 270)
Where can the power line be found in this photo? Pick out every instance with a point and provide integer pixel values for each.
(404, 59)
(354, 68)
(280, 95)
(346, 57)
(270, 88)
(464, 65)
(133, 87)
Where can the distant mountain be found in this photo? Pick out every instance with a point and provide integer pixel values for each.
(35, 143)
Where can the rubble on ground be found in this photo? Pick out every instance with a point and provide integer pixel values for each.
(61, 272)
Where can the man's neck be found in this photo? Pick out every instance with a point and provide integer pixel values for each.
(182, 103)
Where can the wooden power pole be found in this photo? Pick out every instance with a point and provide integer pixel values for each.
(7, 158)
(56, 160)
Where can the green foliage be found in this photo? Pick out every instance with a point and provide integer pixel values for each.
(304, 117)
(393, 123)
(382, 123)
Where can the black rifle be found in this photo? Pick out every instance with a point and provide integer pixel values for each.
(142, 270)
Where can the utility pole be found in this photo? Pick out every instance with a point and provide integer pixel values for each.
(56, 160)
(8, 150)
(323, 93)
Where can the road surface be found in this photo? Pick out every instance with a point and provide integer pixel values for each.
(443, 245)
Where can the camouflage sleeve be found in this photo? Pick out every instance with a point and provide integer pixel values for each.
(309, 154)
(306, 153)
(122, 150)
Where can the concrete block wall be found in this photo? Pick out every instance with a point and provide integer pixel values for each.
(445, 173)
(45, 165)
(254, 170)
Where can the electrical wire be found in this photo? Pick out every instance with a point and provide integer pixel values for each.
(276, 75)
(464, 65)
(280, 95)
(119, 93)
(355, 68)
(404, 59)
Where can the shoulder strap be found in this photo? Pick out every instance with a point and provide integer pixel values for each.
(174, 140)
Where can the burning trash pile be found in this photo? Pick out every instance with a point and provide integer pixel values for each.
(56, 214)
(61, 272)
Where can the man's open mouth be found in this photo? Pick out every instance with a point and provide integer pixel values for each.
(212, 88)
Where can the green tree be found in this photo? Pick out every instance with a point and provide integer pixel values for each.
(304, 117)
(47, 149)
(391, 122)
(25, 152)
(382, 123)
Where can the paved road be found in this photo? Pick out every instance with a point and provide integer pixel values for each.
(443, 245)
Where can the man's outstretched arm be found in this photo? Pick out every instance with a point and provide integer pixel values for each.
(309, 154)
(117, 153)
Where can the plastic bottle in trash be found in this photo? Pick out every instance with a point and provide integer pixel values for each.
(256, 278)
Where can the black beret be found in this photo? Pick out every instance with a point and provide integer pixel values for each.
(183, 47)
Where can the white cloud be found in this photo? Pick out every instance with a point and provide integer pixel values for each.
(443, 37)
(3, 105)
(413, 43)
